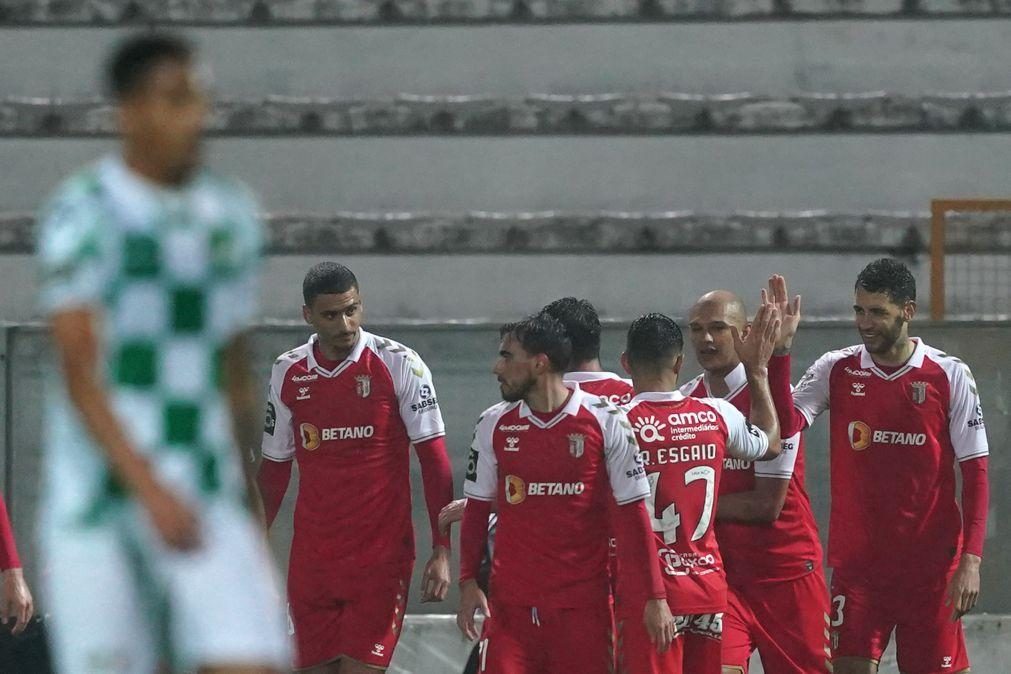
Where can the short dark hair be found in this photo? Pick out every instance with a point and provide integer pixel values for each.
(581, 323)
(888, 275)
(135, 58)
(327, 278)
(653, 340)
(542, 333)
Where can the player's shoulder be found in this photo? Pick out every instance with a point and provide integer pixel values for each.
(601, 408)
(492, 415)
(393, 353)
(81, 191)
(289, 358)
(228, 188)
(830, 359)
(954, 367)
(689, 388)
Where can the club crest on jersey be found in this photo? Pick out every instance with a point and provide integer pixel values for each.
(858, 389)
(918, 391)
(577, 443)
(363, 385)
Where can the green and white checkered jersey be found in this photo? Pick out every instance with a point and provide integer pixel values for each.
(172, 275)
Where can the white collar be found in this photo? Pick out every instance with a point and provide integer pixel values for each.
(736, 380)
(570, 408)
(353, 357)
(915, 361)
(659, 397)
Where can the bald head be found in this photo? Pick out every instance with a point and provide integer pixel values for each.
(709, 327)
(723, 302)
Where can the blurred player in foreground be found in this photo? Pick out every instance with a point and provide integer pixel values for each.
(348, 405)
(683, 443)
(149, 276)
(901, 414)
(558, 464)
(777, 599)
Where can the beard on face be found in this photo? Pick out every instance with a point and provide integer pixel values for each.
(517, 392)
(886, 337)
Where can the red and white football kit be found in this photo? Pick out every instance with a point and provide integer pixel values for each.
(606, 384)
(895, 533)
(619, 392)
(350, 426)
(683, 443)
(556, 480)
(778, 599)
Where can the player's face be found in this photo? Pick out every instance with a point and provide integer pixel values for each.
(515, 369)
(880, 321)
(336, 318)
(164, 120)
(709, 328)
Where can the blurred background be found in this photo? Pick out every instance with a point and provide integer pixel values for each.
(472, 160)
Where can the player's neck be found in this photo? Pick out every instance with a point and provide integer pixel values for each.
(334, 354)
(587, 366)
(900, 352)
(665, 383)
(548, 395)
(158, 175)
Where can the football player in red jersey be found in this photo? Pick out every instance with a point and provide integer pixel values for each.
(348, 405)
(901, 415)
(558, 464)
(582, 325)
(778, 599)
(683, 443)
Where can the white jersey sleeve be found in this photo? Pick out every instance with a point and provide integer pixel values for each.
(481, 479)
(965, 413)
(782, 466)
(278, 431)
(412, 382)
(744, 441)
(621, 455)
(811, 395)
(72, 247)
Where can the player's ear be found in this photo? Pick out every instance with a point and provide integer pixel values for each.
(306, 313)
(678, 362)
(624, 363)
(909, 310)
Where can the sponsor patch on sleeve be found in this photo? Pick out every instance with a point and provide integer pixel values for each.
(271, 421)
(472, 465)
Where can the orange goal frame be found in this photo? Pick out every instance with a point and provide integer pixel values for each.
(938, 209)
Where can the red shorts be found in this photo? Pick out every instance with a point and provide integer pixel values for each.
(926, 640)
(527, 640)
(695, 649)
(786, 621)
(358, 616)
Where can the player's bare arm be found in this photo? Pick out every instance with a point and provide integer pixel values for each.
(762, 505)
(243, 400)
(754, 349)
(77, 346)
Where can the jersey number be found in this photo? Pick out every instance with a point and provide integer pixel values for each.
(668, 520)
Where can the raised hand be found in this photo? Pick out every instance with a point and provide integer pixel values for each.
(756, 348)
(789, 312)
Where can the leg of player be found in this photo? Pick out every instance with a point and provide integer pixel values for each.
(328, 668)
(238, 669)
